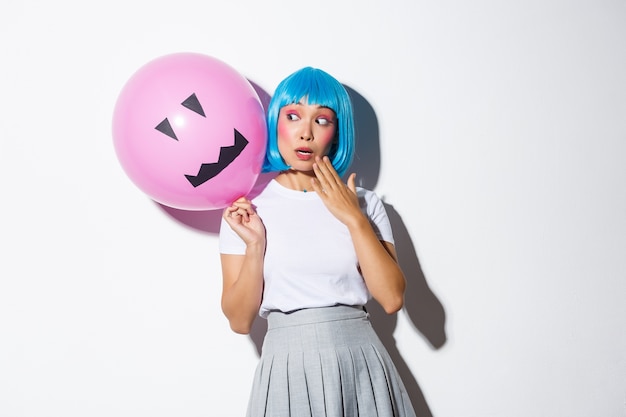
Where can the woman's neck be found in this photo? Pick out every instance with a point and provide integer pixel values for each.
(295, 180)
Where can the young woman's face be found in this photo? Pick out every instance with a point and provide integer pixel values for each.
(304, 132)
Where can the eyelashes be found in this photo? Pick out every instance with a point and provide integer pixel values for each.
(192, 103)
(321, 120)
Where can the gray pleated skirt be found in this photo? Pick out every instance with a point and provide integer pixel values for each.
(326, 362)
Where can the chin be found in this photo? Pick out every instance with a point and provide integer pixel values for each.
(301, 166)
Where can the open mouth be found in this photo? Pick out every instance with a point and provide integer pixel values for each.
(304, 153)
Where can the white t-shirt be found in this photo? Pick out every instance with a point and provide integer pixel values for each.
(309, 259)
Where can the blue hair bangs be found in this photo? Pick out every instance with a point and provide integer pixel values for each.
(316, 87)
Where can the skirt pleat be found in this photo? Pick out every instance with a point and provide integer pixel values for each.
(326, 362)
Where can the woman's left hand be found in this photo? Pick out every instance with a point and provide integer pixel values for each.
(340, 198)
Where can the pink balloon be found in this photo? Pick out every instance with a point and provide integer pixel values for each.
(190, 132)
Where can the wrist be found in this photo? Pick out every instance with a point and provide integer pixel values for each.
(256, 247)
(358, 222)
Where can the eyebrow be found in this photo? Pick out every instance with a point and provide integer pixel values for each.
(319, 106)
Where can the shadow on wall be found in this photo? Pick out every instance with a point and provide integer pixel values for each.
(422, 307)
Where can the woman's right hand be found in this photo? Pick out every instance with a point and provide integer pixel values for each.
(243, 219)
(243, 274)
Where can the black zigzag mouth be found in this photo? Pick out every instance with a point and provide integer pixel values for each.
(227, 155)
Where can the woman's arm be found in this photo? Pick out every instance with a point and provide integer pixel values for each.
(379, 266)
(377, 260)
(242, 275)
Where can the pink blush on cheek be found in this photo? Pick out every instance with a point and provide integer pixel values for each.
(325, 139)
(282, 130)
(283, 138)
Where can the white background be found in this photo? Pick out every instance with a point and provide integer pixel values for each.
(495, 131)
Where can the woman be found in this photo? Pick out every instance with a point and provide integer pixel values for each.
(306, 254)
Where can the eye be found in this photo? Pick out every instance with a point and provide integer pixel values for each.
(292, 116)
(166, 128)
(325, 120)
(193, 104)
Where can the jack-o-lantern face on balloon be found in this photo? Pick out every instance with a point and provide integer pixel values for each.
(190, 132)
(227, 153)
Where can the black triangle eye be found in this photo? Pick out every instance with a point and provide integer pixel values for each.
(193, 104)
(166, 128)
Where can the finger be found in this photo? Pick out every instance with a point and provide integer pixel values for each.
(243, 212)
(330, 171)
(228, 211)
(235, 212)
(324, 175)
(319, 188)
(233, 221)
(352, 182)
(244, 206)
(320, 176)
(322, 169)
(239, 203)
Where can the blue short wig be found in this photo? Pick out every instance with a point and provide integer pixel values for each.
(316, 87)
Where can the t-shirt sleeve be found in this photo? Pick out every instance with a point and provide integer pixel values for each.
(229, 242)
(377, 214)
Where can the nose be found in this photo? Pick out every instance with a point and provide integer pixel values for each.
(307, 133)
